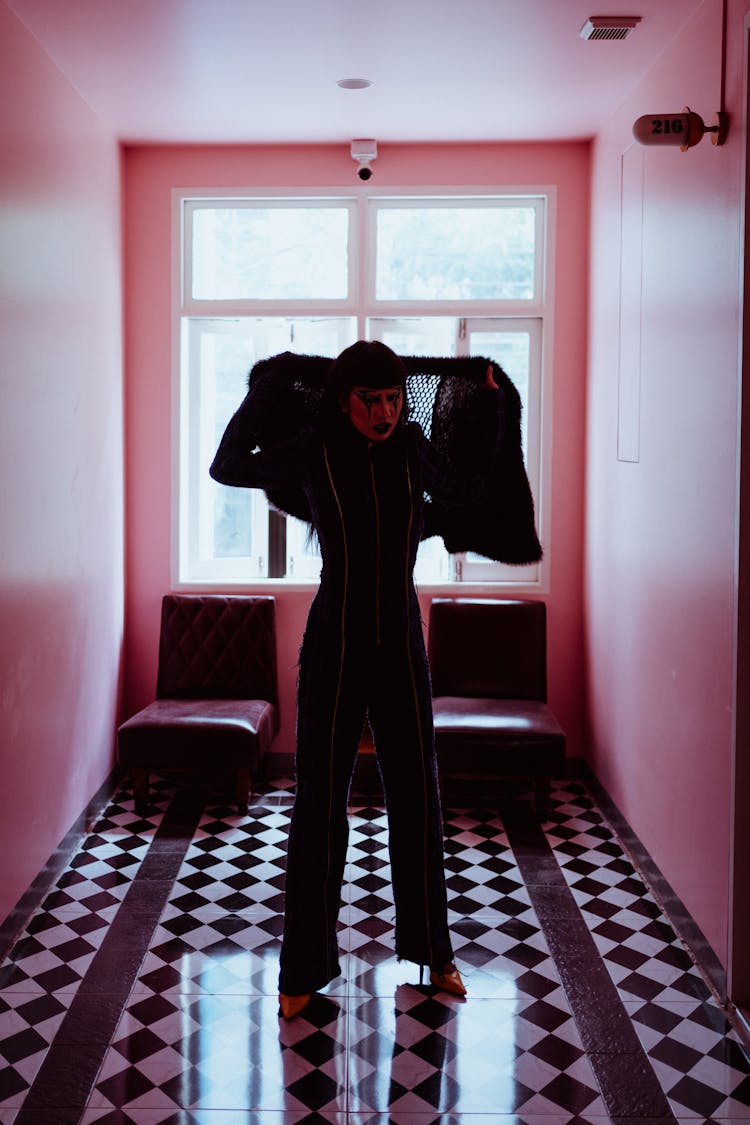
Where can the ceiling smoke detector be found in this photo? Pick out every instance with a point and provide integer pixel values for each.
(609, 27)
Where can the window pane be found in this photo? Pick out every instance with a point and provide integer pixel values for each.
(433, 562)
(455, 253)
(303, 551)
(228, 534)
(512, 350)
(433, 335)
(225, 359)
(270, 253)
(232, 510)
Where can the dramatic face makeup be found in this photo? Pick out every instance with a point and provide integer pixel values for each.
(374, 412)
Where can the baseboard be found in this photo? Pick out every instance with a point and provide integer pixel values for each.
(32, 898)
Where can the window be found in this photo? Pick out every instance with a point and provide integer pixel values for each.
(274, 252)
(431, 275)
(454, 251)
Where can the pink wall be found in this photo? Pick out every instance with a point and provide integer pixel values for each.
(61, 564)
(660, 532)
(150, 175)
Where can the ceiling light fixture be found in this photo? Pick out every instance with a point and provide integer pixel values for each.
(609, 27)
(354, 83)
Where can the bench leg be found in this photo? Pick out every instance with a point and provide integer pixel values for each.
(243, 790)
(139, 777)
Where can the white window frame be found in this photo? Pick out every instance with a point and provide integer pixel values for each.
(361, 303)
(196, 533)
(197, 450)
(249, 306)
(427, 201)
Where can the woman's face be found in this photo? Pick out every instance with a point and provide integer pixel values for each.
(374, 412)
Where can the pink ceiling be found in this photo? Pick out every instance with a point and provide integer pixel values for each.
(249, 71)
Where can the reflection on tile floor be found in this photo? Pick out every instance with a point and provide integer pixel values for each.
(195, 1037)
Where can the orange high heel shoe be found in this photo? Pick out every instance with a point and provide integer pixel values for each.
(291, 1006)
(448, 979)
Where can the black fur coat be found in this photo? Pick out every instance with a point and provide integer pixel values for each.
(445, 397)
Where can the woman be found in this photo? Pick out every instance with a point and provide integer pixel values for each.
(364, 469)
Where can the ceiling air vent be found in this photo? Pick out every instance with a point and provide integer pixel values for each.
(609, 27)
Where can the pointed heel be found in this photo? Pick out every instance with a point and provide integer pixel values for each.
(291, 1006)
(448, 979)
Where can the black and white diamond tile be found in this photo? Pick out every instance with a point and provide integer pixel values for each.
(213, 1117)
(235, 894)
(100, 874)
(697, 1057)
(224, 1052)
(498, 959)
(395, 1118)
(62, 937)
(482, 876)
(646, 961)
(51, 957)
(640, 950)
(367, 889)
(55, 951)
(28, 1023)
(200, 1043)
(224, 953)
(235, 864)
(414, 1054)
(142, 1116)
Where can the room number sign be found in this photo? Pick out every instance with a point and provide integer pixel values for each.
(683, 129)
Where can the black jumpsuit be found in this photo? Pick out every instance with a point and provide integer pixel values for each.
(362, 656)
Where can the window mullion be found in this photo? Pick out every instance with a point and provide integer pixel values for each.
(366, 234)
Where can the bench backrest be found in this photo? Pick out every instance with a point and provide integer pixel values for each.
(217, 647)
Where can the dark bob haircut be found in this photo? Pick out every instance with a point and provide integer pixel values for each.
(368, 363)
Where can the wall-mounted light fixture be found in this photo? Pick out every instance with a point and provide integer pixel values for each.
(684, 129)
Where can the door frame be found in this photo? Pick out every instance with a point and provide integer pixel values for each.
(738, 968)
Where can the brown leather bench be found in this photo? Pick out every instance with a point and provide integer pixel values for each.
(216, 705)
(488, 660)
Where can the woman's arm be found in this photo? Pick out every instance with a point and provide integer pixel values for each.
(239, 463)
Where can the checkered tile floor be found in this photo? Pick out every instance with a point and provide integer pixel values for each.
(198, 1039)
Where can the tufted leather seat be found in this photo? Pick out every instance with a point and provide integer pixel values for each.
(489, 679)
(217, 700)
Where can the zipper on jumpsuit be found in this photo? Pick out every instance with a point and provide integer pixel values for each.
(377, 545)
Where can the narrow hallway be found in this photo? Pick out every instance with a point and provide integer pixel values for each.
(144, 988)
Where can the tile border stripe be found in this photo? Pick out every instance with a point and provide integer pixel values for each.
(628, 1083)
(92, 1017)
